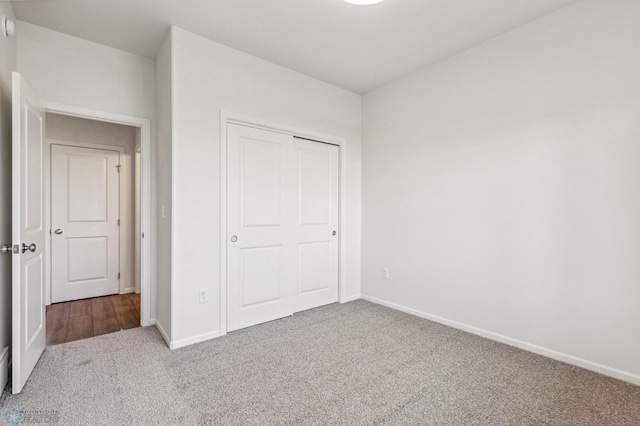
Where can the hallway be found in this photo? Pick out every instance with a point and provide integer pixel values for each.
(80, 319)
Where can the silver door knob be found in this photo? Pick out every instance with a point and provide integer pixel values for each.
(334, 233)
(30, 247)
(58, 231)
(234, 239)
(5, 249)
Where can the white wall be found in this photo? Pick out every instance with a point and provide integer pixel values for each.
(501, 188)
(67, 70)
(209, 77)
(72, 71)
(164, 78)
(8, 63)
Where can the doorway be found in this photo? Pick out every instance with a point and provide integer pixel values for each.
(92, 220)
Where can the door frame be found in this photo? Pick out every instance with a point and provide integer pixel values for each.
(144, 125)
(227, 117)
(125, 218)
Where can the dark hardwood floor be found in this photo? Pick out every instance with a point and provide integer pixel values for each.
(79, 319)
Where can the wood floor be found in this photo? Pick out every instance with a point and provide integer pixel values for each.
(79, 319)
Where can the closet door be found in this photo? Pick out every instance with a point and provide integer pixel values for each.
(282, 225)
(316, 228)
(261, 206)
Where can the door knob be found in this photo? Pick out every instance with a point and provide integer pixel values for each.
(30, 247)
(5, 249)
(58, 231)
(234, 239)
(334, 233)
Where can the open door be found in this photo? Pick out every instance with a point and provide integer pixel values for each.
(28, 303)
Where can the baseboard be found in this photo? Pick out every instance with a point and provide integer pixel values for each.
(351, 298)
(163, 333)
(4, 368)
(550, 353)
(175, 344)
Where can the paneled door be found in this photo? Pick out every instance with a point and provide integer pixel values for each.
(316, 226)
(260, 208)
(28, 304)
(84, 221)
(282, 218)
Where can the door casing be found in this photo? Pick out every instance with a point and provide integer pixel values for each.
(144, 124)
(227, 117)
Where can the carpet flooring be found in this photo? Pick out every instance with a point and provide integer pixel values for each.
(352, 364)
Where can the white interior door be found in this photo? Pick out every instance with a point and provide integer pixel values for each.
(28, 304)
(316, 225)
(282, 211)
(260, 218)
(85, 222)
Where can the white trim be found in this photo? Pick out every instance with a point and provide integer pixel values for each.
(540, 350)
(227, 117)
(351, 298)
(175, 344)
(163, 333)
(145, 142)
(4, 368)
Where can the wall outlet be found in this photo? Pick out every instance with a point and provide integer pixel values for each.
(385, 272)
(204, 295)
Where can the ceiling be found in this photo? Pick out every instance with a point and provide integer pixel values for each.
(358, 48)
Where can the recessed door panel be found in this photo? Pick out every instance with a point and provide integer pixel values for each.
(261, 183)
(34, 300)
(87, 259)
(261, 276)
(315, 187)
(84, 220)
(33, 178)
(314, 266)
(88, 189)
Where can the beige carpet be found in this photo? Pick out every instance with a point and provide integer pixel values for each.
(357, 363)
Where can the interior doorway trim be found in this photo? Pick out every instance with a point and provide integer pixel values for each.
(227, 117)
(145, 175)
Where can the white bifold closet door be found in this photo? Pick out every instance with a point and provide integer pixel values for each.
(282, 224)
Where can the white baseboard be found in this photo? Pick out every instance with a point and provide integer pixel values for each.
(175, 344)
(163, 333)
(351, 298)
(4, 368)
(550, 353)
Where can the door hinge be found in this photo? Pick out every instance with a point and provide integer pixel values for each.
(118, 222)
(118, 168)
(118, 275)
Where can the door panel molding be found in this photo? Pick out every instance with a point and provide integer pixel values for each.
(227, 117)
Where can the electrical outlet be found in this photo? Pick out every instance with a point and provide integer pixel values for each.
(204, 295)
(385, 272)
